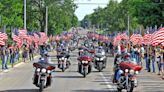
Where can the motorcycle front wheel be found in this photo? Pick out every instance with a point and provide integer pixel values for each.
(119, 90)
(130, 87)
(100, 66)
(84, 72)
(41, 86)
(63, 69)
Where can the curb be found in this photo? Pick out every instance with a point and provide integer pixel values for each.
(21, 63)
(17, 65)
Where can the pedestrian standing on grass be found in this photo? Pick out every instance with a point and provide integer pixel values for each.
(16, 54)
(25, 53)
(142, 51)
(31, 51)
(146, 57)
(4, 57)
(162, 65)
(158, 60)
(149, 60)
(11, 50)
(153, 58)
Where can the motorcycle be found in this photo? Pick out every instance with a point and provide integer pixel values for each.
(84, 64)
(127, 80)
(81, 50)
(42, 76)
(100, 61)
(73, 45)
(63, 62)
(126, 75)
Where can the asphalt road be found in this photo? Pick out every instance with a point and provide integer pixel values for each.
(19, 79)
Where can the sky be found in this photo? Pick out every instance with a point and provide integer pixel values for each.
(85, 9)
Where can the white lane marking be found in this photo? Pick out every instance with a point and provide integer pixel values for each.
(106, 81)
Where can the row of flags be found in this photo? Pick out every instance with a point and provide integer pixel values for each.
(66, 36)
(21, 37)
(99, 37)
(156, 38)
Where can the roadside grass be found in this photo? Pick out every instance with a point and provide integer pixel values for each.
(16, 62)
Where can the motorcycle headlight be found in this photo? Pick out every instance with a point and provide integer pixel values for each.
(43, 70)
(62, 58)
(137, 72)
(126, 70)
(131, 71)
(42, 59)
(97, 59)
(48, 71)
(65, 58)
(81, 50)
(38, 69)
(102, 58)
(84, 61)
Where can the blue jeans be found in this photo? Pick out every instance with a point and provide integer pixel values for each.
(146, 63)
(153, 64)
(4, 61)
(137, 58)
(12, 59)
(118, 75)
(16, 57)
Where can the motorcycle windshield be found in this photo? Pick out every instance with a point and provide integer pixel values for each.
(86, 54)
(44, 65)
(131, 60)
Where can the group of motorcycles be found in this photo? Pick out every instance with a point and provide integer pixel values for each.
(90, 54)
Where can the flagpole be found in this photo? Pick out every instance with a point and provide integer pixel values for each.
(24, 14)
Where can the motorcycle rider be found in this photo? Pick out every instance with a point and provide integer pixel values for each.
(117, 60)
(101, 51)
(117, 70)
(44, 60)
(85, 53)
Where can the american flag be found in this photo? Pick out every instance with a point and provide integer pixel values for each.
(158, 37)
(124, 36)
(15, 36)
(23, 34)
(117, 39)
(147, 39)
(3, 36)
(43, 37)
(136, 39)
(36, 40)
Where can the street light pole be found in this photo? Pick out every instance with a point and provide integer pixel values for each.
(46, 27)
(24, 14)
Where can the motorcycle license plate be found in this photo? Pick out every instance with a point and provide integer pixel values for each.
(42, 78)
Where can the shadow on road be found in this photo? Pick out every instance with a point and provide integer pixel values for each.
(21, 90)
(91, 90)
(71, 77)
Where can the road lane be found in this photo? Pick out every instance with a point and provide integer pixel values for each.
(19, 79)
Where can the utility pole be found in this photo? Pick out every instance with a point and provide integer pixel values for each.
(24, 14)
(46, 27)
(0, 20)
(128, 26)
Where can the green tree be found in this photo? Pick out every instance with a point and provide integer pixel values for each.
(11, 13)
(60, 15)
